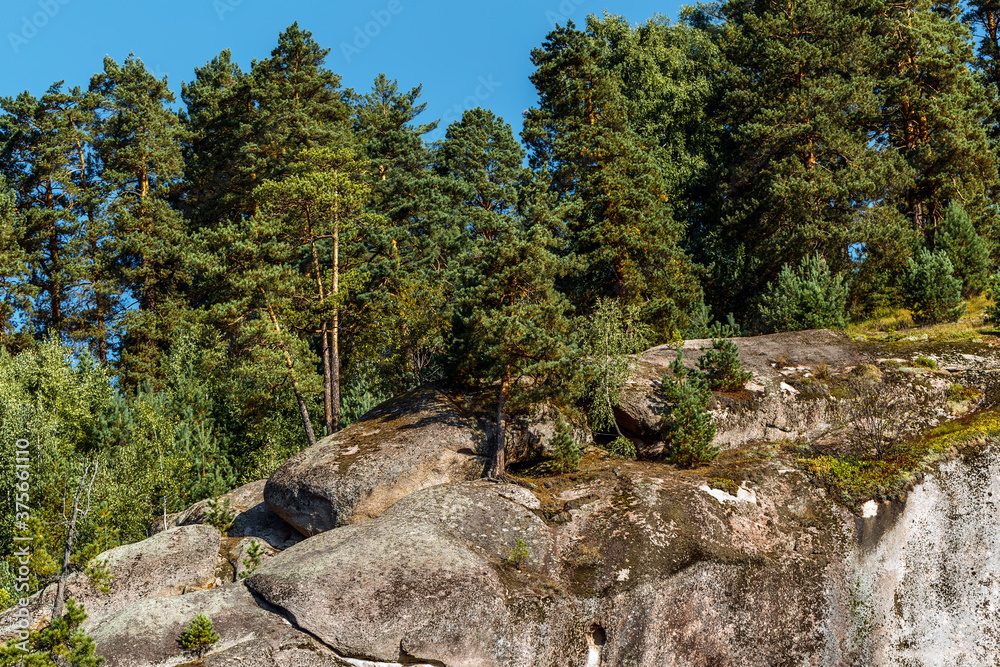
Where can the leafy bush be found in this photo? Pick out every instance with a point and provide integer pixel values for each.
(810, 297)
(688, 427)
(200, 635)
(566, 450)
(967, 251)
(722, 366)
(931, 289)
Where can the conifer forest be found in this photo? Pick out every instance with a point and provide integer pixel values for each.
(196, 289)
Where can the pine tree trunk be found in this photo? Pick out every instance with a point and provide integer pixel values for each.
(303, 409)
(335, 334)
(498, 461)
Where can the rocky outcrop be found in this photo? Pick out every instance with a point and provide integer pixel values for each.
(742, 563)
(793, 393)
(419, 440)
(147, 634)
(172, 563)
(252, 517)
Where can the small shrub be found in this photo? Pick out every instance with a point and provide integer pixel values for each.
(566, 450)
(199, 636)
(722, 365)
(252, 561)
(688, 427)
(220, 515)
(518, 554)
(822, 371)
(810, 297)
(622, 448)
(931, 289)
(925, 362)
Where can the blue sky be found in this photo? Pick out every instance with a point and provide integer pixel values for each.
(464, 53)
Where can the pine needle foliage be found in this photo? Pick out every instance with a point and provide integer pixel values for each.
(967, 251)
(809, 297)
(63, 643)
(722, 367)
(931, 289)
(200, 635)
(688, 427)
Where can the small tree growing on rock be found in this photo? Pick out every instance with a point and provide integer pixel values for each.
(688, 427)
(199, 636)
(63, 643)
(722, 367)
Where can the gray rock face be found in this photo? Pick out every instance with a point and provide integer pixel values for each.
(405, 586)
(769, 407)
(253, 517)
(927, 582)
(147, 633)
(416, 441)
(174, 562)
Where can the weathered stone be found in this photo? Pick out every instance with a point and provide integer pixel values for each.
(419, 440)
(253, 518)
(147, 634)
(174, 562)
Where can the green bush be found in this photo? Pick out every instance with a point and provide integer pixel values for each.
(931, 289)
(622, 448)
(252, 561)
(200, 635)
(810, 297)
(518, 554)
(63, 643)
(219, 514)
(967, 251)
(566, 450)
(688, 428)
(722, 366)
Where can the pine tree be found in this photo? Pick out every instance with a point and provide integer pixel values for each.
(64, 642)
(932, 291)
(405, 291)
(138, 142)
(931, 107)
(809, 297)
(512, 326)
(612, 188)
(320, 199)
(800, 171)
(200, 635)
(965, 248)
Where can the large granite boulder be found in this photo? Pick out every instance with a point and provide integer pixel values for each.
(174, 562)
(416, 441)
(147, 634)
(252, 517)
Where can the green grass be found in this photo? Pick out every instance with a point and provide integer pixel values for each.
(897, 324)
(855, 480)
